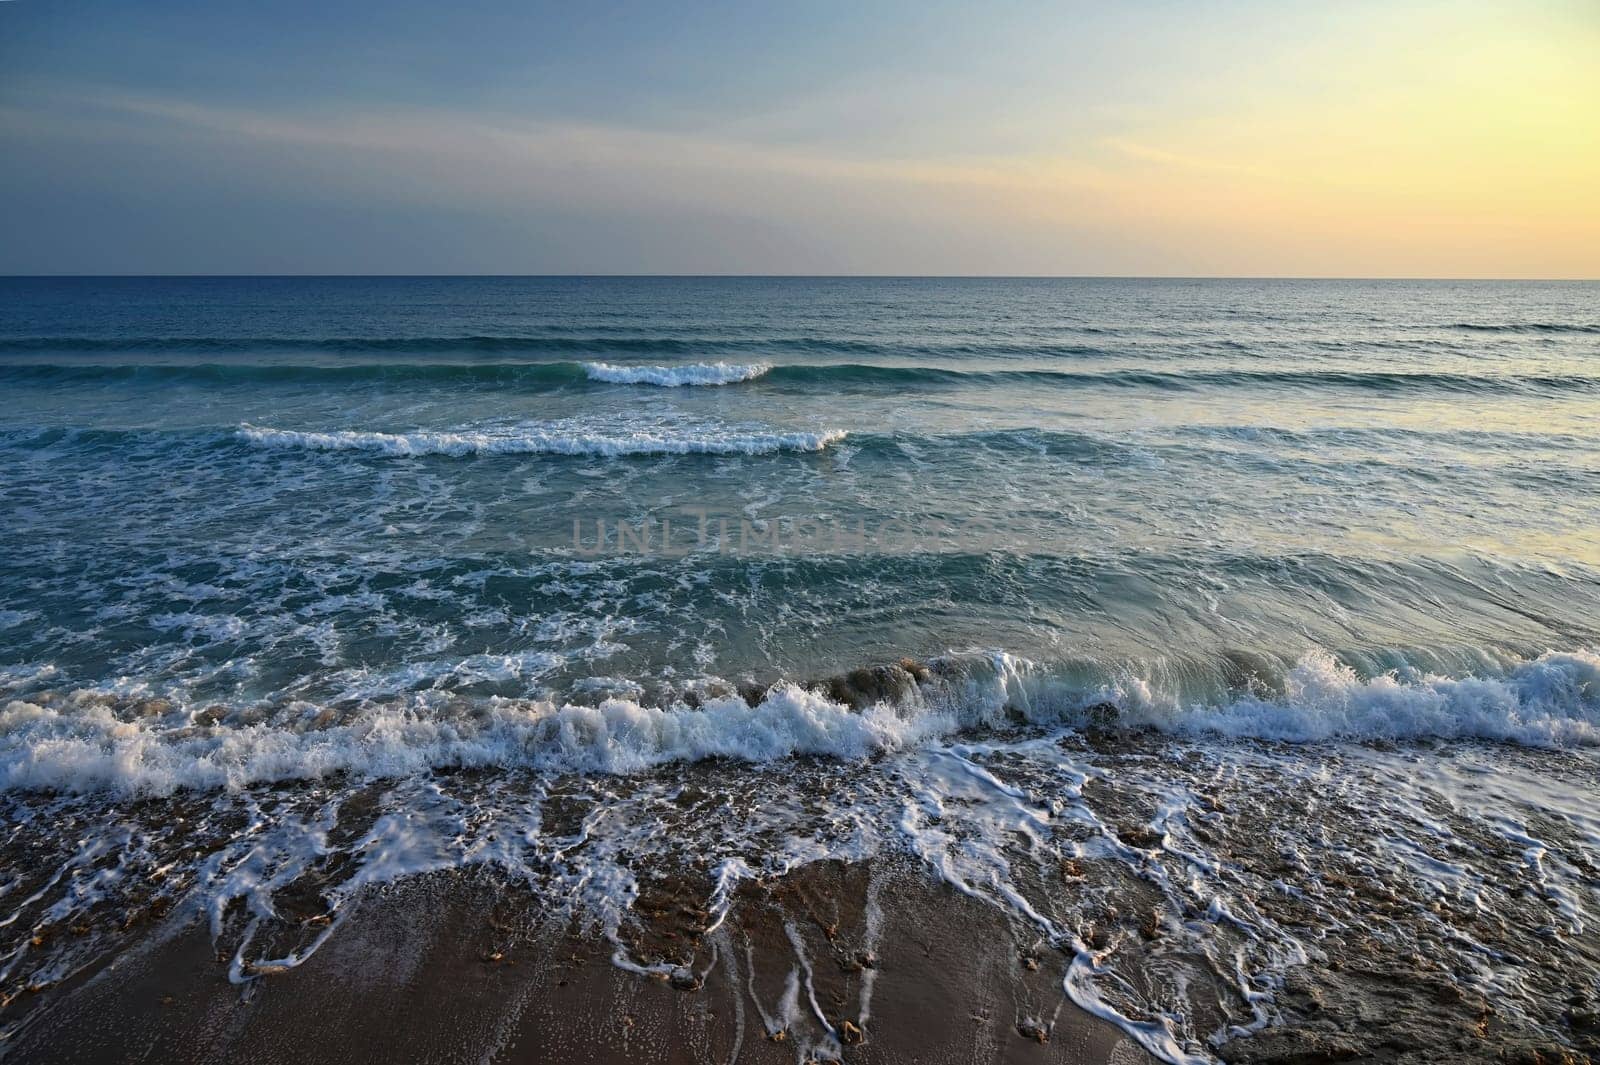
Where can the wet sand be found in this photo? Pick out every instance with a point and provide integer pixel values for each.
(456, 968)
(451, 968)
(815, 959)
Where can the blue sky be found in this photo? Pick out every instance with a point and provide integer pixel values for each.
(1158, 138)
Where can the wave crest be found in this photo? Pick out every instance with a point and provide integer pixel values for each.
(1553, 700)
(697, 373)
(87, 742)
(550, 439)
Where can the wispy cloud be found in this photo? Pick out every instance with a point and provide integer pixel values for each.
(466, 139)
(1182, 161)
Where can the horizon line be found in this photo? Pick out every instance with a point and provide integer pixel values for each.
(796, 277)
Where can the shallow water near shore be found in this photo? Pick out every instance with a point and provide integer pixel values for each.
(1232, 644)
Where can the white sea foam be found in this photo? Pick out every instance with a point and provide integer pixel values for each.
(995, 817)
(553, 438)
(1553, 700)
(85, 744)
(697, 373)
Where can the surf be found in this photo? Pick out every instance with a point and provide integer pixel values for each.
(577, 439)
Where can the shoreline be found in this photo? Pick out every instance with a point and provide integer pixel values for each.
(873, 961)
(1010, 894)
(455, 967)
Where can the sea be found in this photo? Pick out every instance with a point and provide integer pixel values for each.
(1243, 592)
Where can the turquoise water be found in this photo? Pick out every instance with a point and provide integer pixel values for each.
(251, 492)
(311, 586)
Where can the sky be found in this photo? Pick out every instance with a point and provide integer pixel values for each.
(1246, 138)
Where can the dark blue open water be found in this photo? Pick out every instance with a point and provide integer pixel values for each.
(236, 490)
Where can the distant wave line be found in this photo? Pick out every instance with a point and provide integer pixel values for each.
(603, 342)
(697, 373)
(547, 439)
(597, 374)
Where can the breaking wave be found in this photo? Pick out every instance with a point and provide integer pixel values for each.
(553, 438)
(87, 742)
(699, 373)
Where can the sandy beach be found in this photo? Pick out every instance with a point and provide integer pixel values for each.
(453, 969)
(857, 961)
